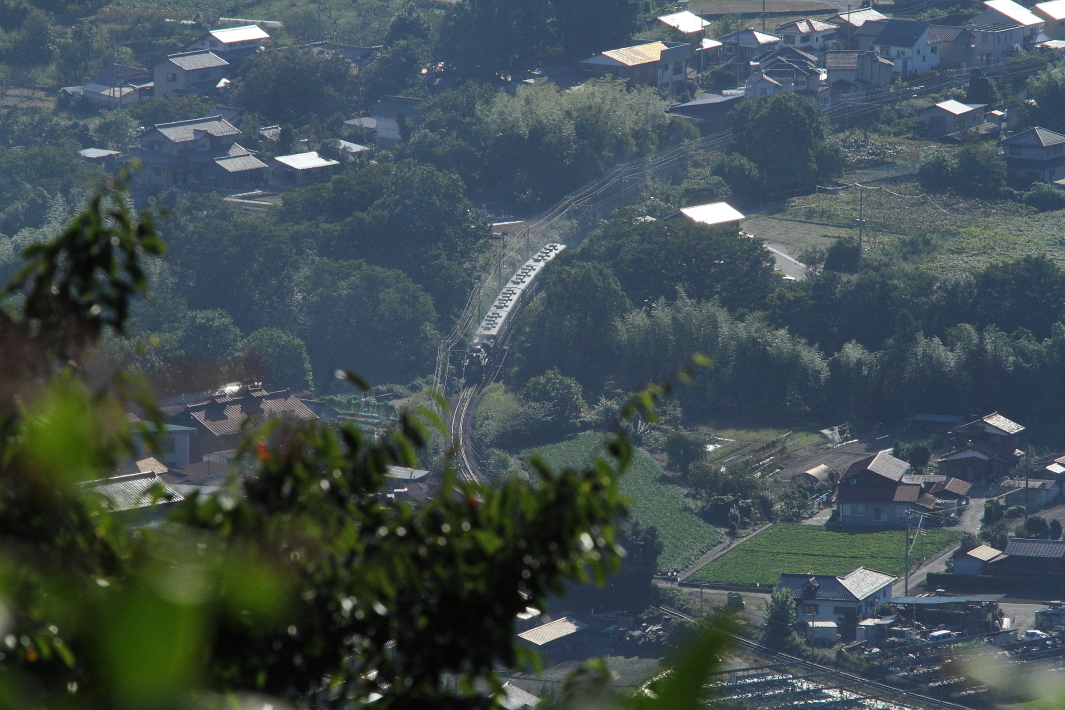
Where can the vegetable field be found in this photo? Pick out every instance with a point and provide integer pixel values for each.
(807, 548)
(655, 502)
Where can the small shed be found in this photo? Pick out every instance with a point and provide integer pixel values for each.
(816, 476)
(822, 632)
(952, 116)
(971, 562)
(685, 22)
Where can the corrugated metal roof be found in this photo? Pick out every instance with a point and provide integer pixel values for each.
(305, 161)
(712, 213)
(553, 631)
(685, 21)
(638, 54)
(203, 59)
(708, 43)
(133, 491)
(1051, 549)
(243, 33)
(995, 419)
(1018, 13)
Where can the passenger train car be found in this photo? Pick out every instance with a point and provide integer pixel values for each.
(498, 320)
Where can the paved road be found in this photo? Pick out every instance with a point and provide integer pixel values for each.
(785, 263)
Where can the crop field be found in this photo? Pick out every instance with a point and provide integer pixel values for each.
(807, 548)
(990, 232)
(655, 501)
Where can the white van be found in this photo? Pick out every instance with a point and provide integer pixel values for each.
(937, 636)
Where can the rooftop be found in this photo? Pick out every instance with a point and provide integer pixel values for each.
(244, 33)
(637, 54)
(224, 412)
(805, 27)
(132, 491)
(202, 59)
(857, 18)
(1051, 549)
(196, 128)
(749, 38)
(1055, 9)
(240, 163)
(96, 153)
(1043, 138)
(856, 585)
(559, 628)
(957, 107)
(983, 553)
(883, 464)
(685, 21)
(1014, 11)
(305, 161)
(712, 213)
(901, 33)
(946, 33)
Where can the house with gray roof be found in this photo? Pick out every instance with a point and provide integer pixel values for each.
(196, 73)
(200, 152)
(955, 44)
(739, 48)
(808, 35)
(1036, 558)
(1035, 155)
(848, 23)
(905, 43)
(855, 72)
(845, 600)
(138, 498)
(872, 492)
(952, 116)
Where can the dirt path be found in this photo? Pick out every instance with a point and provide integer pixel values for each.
(715, 552)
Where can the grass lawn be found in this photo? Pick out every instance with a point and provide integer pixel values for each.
(655, 502)
(807, 548)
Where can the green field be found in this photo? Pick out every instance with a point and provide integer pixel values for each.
(991, 231)
(806, 548)
(655, 502)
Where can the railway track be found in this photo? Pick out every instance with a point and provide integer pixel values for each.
(462, 427)
(843, 678)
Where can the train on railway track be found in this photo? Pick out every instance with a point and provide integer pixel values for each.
(497, 322)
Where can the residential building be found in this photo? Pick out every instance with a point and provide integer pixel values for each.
(955, 45)
(971, 562)
(115, 87)
(1032, 493)
(1053, 15)
(952, 116)
(685, 22)
(707, 53)
(1039, 559)
(739, 48)
(808, 35)
(906, 44)
(865, 36)
(219, 417)
(1007, 12)
(1035, 155)
(197, 152)
(173, 443)
(982, 449)
(233, 43)
(993, 43)
(287, 171)
(791, 70)
(559, 632)
(384, 122)
(848, 23)
(845, 600)
(663, 65)
(854, 72)
(195, 73)
(872, 492)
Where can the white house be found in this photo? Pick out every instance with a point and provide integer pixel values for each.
(1053, 15)
(905, 43)
(807, 35)
(233, 43)
(847, 599)
(1003, 26)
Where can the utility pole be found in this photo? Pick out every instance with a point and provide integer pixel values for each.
(861, 223)
(763, 15)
